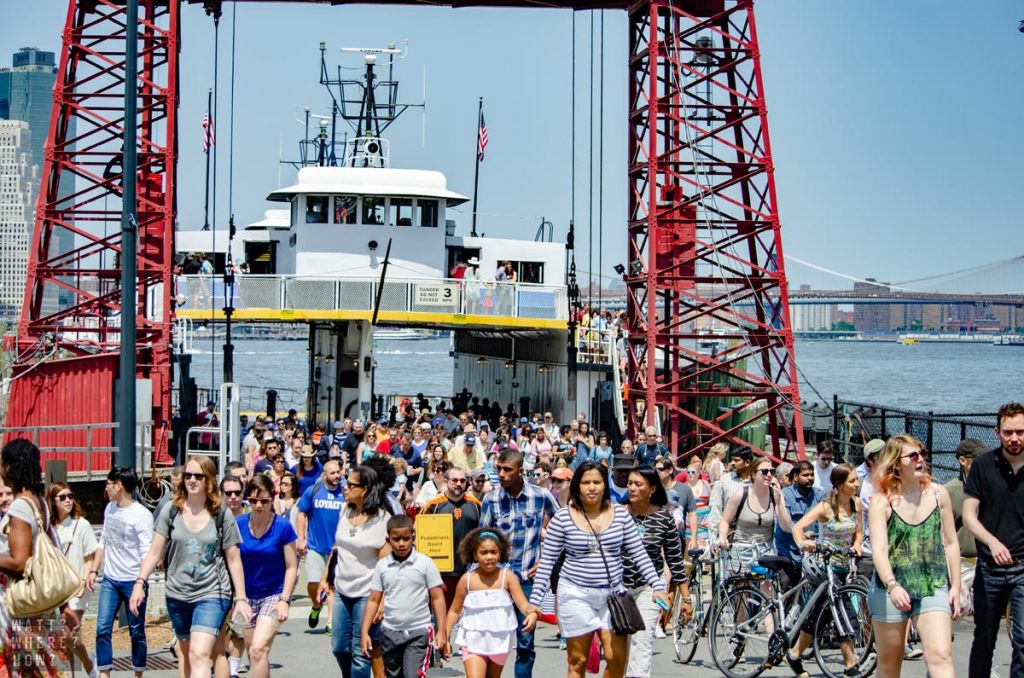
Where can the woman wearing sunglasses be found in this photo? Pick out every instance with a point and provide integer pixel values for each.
(270, 564)
(748, 520)
(917, 559)
(200, 538)
(79, 546)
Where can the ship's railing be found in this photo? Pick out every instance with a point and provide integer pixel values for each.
(596, 346)
(412, 295)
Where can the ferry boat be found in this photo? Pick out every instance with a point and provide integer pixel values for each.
(363, 244)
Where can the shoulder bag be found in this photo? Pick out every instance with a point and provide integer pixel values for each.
(49, 580)
(625, 615)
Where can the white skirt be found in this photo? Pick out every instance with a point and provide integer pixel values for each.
(581, 609)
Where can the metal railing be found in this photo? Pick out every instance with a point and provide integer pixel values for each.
(854, 423)
(419, 295)
(89, 450)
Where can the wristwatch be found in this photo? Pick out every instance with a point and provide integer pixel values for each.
(890, 585)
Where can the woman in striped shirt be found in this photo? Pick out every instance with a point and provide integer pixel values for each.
(648, 504)
(594, 535)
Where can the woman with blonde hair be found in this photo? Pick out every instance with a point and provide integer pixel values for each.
(79, 545)
(714, 466)
(917, 559)
(200, 538)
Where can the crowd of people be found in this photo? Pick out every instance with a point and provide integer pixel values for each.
(548, 522)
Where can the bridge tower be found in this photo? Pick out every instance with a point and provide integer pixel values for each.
(705, 247)
(68, 351)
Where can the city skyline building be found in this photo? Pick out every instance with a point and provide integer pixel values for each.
(26, 94)
(19, 181)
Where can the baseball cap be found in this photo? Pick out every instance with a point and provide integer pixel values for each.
(338, 424)
(477, 473)
(562, 473)
(622, 461)
(438, 421)
(470, 439)
(425, 426)
(524, 420)
(970, 448)
(873, 447)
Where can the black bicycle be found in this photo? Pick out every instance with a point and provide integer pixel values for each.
(688, 630)
(752, 631)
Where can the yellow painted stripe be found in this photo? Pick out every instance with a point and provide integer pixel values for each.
(453, 320)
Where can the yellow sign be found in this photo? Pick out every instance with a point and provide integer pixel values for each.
(435, 537)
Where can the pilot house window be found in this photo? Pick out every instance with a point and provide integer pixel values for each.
(346, 209)
(401, 211)
(373, 210)
(427, 213)
(316, 209)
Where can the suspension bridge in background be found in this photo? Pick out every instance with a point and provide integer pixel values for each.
(998, 283)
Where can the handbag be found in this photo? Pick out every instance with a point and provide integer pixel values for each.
(622, 608)
(49, 580)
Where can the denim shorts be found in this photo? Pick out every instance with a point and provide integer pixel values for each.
(200, 616)
(882, 609)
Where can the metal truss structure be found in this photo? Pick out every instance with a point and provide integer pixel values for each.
(710, 344)
(85, 325)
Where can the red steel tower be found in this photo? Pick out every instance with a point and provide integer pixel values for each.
(68, 351)
(710, 342)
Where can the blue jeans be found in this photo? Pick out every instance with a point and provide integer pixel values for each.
(199, 616)
(525, 654)
(346, 627)
(112, 595)
(994, 586)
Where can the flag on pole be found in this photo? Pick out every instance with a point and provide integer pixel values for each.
(481, 141)
(208, 136)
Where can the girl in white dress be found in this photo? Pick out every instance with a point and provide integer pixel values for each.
(485, 605)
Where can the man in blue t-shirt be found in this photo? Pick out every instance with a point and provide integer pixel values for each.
(319, 509)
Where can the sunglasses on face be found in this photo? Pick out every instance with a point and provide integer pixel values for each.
(259, 501)
(913, 456)
(193, 476)
(233, 493)
(360, 485)
(660, 468)
(764, 471)
(66, 496)
(478, 481)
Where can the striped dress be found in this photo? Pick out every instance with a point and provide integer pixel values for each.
(583, 564)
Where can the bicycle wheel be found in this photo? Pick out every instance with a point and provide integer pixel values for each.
(686, 635)
(846, 623)
(741, 631)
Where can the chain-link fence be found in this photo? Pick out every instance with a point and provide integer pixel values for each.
(854, 424)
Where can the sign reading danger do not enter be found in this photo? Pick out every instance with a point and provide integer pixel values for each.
(435, 537)
(437, 295)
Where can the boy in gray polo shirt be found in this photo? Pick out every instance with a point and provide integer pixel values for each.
(410, 584)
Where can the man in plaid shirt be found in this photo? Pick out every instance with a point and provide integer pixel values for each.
(521, 511)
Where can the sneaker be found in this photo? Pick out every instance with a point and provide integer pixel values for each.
(912, 652)
(797, 665)
(314, 616)
(852, 671)
(327, 629)
(659, 632)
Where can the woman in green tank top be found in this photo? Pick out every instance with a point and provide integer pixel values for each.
(917, 559)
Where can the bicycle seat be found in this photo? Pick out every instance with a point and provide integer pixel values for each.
(773, 562)
(695, 553)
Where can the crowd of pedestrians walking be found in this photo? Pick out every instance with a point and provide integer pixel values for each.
(548, 522)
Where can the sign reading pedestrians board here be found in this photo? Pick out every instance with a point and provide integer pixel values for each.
(435, 537)
(436, 295)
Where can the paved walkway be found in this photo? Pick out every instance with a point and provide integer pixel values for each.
(299, 650)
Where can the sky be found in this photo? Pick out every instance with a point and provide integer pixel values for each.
(895, 125)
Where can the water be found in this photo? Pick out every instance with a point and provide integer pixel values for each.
(944, 378)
